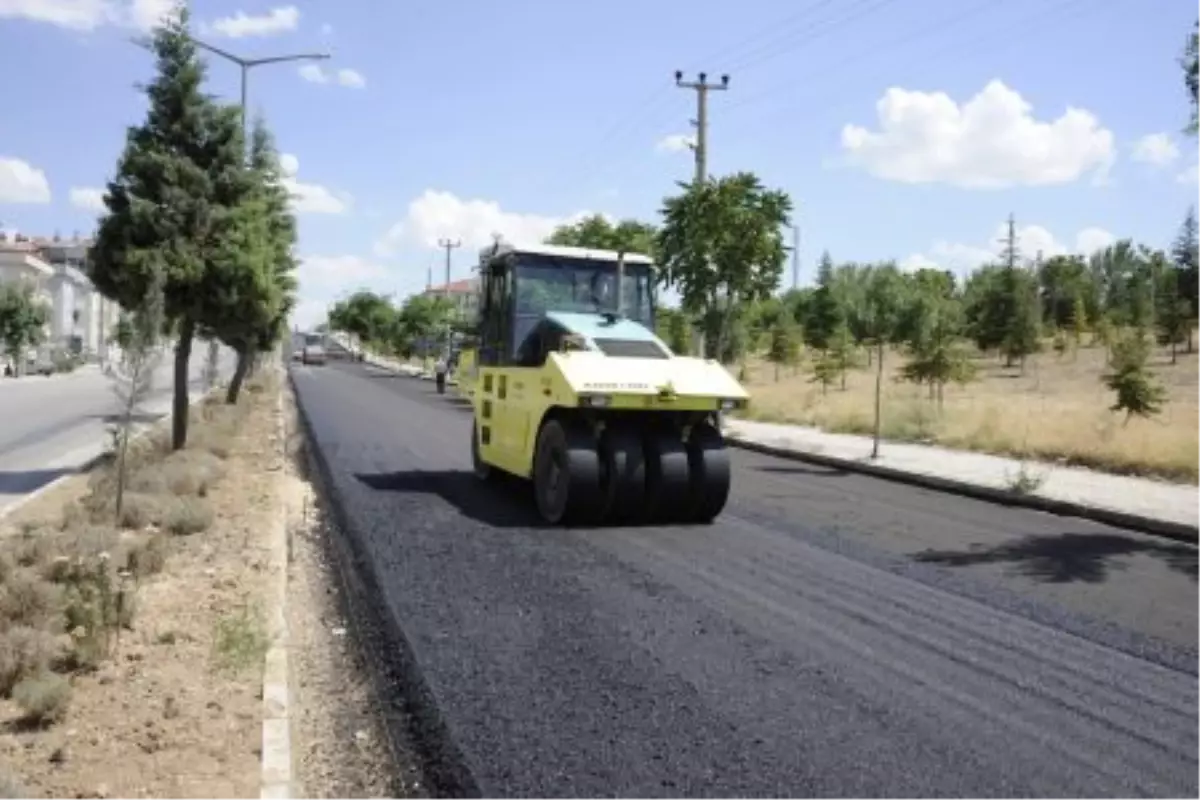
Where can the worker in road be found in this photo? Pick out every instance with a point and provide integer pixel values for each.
(439, 371)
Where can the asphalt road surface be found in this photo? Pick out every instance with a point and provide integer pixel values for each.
(831, 635)
(51, 426)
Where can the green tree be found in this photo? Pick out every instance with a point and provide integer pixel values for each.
(259, 264)
(23, 321)
(1190, 77)
(365, 315)
(1174, 314)
(721, 243)
(784, 345)
(1138, 391)
(882, 312)
(1185, 257)
(595, 231)
(168, 206)
(825, 312)
(936, 353)
(1079, 322)
(675, 329)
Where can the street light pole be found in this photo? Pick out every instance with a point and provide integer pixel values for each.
(247, 64)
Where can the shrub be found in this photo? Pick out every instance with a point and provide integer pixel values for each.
(27, 600)
(140, 510)
(147, 556)
(23, 652)
(43, 696)
(188, 515)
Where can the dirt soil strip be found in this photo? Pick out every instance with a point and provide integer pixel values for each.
(346, 742)
(176, 710)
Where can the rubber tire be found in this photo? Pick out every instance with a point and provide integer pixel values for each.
(667, 485)
(577, 500)
(709, 474)
(483, 470)
(623, 474)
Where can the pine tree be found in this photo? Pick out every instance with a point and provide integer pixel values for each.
(825, 312)
(165, 205)
(1138, 392)
(1185, 255)
(784, 345)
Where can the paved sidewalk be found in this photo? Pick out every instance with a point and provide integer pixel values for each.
(1141, 497)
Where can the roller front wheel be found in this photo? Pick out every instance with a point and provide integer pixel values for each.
(667, 484)
(709, 474)
(623, 465)
(566, 475)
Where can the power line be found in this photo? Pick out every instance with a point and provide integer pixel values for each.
(826, 102)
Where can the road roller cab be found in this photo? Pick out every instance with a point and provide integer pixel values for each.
(575, 392)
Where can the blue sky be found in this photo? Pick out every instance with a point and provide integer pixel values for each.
(904, 129)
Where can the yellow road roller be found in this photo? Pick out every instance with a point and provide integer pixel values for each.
(575, 392)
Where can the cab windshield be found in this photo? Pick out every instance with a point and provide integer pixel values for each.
(312, 340)
(549, 284)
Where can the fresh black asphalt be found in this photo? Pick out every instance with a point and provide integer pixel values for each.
(779, 652)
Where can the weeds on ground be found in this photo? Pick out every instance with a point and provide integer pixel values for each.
(239, 640)
(68, 590)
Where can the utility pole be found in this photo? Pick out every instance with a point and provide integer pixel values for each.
(1010, 252)
(247, 64)
(702, 87)
(449, 246)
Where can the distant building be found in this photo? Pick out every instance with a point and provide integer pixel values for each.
(464, 295)
(80, 317)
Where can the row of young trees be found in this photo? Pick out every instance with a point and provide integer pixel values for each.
(197, 239)
(374, 319)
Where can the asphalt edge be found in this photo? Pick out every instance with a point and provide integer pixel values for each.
(89, 464)
(444, 764)
(277, 764)
(1176, 531)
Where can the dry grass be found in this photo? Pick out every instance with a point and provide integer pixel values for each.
(108, 622)
(1056, 411)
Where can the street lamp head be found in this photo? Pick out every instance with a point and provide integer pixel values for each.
(724, 80)
(703, 75)
(678, 75)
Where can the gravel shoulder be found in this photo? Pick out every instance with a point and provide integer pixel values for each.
(341, 746)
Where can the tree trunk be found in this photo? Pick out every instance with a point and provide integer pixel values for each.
(1174, 353)
(179, 408)
(878, 401)
(239, 375)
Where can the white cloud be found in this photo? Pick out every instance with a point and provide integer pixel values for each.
(438, 214)
(87, 198)
(675, 143)
(351, 78)
(87, 15)
(326, 29)
(991, 141)
(21, 182)
(1189, 175)
(146, 14)
(314, 73)
(242, 25)
(323, 278)
(1157, 149)
(1031, 239)
(310, 198)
